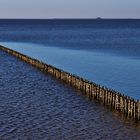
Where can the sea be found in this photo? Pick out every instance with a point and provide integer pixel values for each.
(104, 51)
(34, 106)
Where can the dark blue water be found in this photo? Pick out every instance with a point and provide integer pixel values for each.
(118, 36)
(104, 51)
(34, 106)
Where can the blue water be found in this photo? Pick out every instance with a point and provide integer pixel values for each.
(104, 51)
(34, 106)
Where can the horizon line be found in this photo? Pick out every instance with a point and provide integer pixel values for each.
(97, 18)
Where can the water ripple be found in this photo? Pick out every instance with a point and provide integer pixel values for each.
(38, 107)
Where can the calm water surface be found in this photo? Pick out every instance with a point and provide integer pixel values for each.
(38, 107)
(104, 51)
(117, 72)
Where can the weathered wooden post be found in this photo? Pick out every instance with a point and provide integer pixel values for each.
(136, 110)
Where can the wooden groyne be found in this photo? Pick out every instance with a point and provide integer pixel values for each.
(108, 97)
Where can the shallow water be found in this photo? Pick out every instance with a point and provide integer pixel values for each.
(36, 106)
(117, 72)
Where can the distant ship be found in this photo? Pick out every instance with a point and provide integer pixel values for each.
(98, 18)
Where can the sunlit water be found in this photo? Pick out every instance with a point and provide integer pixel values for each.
(34, 106)
(117, 72)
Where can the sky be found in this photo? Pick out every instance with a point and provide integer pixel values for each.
(69, 8)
